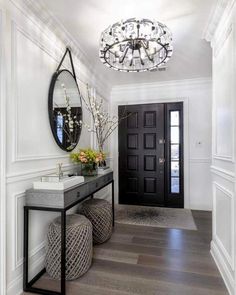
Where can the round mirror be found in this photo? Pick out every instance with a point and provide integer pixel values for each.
(65, 110)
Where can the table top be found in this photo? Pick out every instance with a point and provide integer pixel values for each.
(62, 199)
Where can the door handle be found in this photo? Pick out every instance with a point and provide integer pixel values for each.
(161, 160)
(162, 141)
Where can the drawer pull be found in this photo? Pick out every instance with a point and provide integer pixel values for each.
(96, 184)
(78, 194)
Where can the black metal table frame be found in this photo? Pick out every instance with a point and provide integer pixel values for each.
(28, 286)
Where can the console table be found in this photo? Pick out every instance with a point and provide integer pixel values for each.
(58, 201)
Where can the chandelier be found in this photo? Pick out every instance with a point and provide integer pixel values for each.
(136, 45)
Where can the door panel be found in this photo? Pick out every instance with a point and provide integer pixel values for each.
(141, 134)
(151, 155)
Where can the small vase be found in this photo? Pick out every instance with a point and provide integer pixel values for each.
(89, 169)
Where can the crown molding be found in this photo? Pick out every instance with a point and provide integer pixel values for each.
(221, 10)
(43, 18)
(186, 83)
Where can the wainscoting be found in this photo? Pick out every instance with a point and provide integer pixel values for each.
(32, 52)
(221, 32)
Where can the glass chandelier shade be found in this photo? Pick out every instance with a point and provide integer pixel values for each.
(136, 45)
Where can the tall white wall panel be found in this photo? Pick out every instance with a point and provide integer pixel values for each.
(223, 145)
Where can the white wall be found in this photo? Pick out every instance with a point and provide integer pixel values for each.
(32, 52)
(222, 34)
(2, 155)
(196, 95)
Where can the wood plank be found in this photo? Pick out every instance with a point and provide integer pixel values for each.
(145, 272)
(186, 265)
(153, 261)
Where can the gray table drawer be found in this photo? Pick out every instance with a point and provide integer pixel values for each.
(100, 182)
(75, 194)
(107, 178)
(95, 185)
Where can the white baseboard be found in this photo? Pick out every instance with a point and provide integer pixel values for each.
(223, 268)
(16, 286)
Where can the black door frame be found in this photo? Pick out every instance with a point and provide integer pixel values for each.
(174, 200)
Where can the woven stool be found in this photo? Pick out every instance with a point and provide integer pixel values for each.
(79, 247)
(99, 212)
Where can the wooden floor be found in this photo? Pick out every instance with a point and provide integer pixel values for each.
(148, 261)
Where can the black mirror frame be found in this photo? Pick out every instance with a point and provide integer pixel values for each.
(50, 107)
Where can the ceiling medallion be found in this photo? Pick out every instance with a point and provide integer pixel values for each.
(136, 45)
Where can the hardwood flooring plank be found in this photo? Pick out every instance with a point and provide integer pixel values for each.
(186, 265)
(176, 244)
(119, 256)
(155, 251)
(141, 260)
(133, 285)
(177, 277)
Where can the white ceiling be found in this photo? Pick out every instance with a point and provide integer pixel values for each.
(85, 20)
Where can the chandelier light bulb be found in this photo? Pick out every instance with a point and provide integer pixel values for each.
(136, 45)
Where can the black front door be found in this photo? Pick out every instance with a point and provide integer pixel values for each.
(151, 155)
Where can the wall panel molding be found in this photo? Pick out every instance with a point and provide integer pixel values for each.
(43, 22)
(224, 271)
(150, 87)
(228, 194)
(222, 8)
(30, 174)
(228, 175)
(200, 160)
(37, 251)
(16, 157)
(15, 286)
(3, 150)
(217, 49)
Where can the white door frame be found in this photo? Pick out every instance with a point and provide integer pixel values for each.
(114, 141)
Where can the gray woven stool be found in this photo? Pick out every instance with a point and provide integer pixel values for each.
(99, 212)
(79, 247)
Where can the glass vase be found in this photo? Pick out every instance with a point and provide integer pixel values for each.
(89, 169)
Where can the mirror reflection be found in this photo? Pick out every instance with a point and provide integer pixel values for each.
(66, 112)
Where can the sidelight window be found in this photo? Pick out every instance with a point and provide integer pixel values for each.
(175, 151)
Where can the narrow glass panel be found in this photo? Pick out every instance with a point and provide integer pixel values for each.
(174, 118)
(174, 168)
(175, 185)
(59, 121)
(174, 134)
(174, 151)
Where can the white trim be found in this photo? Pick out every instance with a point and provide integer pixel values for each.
(200, 160)
(220, 13)
(223, 158)
(15, 156)
(222, 267)
(15, 286)
(230, 29)
(184, 83)
(2, 156)
(29, 174)
(228, 175)
(50, 26)
(229, 256)
(17, 262)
